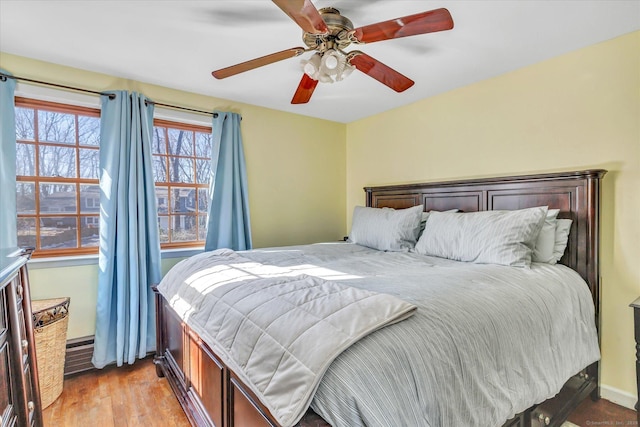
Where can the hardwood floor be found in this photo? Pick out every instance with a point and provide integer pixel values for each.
(129, 396)
(603, 413)
(134, 396)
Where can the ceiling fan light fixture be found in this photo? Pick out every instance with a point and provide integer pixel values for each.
(327, 67)
(345, 72)
(330, 62)
(325, 78)
(311, 66)
(333, 66)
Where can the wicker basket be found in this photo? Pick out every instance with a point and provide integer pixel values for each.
(50, 320)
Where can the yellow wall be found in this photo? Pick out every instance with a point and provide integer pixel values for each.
(296, 174)
(578, 111)
(80, 284)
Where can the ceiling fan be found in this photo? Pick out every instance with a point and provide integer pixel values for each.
(328, 33)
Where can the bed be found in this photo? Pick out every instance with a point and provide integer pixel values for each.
(212, 393)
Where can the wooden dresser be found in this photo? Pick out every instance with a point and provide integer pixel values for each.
(19, 391)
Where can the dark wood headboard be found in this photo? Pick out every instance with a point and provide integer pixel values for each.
(576, 194)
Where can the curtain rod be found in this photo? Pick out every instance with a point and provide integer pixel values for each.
(177, 107)
(4, 77)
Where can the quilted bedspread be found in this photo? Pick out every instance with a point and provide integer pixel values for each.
(263, 319)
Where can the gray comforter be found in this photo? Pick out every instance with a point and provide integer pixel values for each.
(263, 320)
(486, 342)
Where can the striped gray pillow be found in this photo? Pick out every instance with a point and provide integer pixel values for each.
(386, 229)
(488, 237)
(546, 240)
(563, 226)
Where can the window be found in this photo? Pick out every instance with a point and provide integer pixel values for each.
(181, 168)
(57, 172)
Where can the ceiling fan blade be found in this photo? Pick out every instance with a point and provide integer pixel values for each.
(382, 73)
(420, 23)
(257, 62)
(305, 14)
(305, 90)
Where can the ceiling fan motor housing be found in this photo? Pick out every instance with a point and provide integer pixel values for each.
(338, 36)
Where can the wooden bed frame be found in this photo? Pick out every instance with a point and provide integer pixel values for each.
(212, 395)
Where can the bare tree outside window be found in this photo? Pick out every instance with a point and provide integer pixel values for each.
(181, 168)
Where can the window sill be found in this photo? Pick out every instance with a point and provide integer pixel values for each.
(78, 260)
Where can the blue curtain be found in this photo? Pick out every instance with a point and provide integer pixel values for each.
(8, 234)
(228, 225)
(129, 259)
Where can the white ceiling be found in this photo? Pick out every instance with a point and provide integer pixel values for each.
(178, 43)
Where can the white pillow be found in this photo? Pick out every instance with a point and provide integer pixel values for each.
(563, 226)
(487, 237)
(543, 251)
(425, 216)
(386, 229)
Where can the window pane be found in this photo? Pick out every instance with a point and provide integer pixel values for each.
(162, 199)
(180, 142)
(203, 200)
(57, 161)
(90, 199)
(159, 165)
(26, 198)
(89, 230)
(88, 130)
(159, 142)
(163, 224)
(181, 169)
(89, 163)
(183, 200)
(58, 232)
(56, 127)
(24, 124)
(58, 198)
(202, 227)
(26, 232)
(203, 169)
(203, 145)
(183, 228)
(56, 148)
(25, 159)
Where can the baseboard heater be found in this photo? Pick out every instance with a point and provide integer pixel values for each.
(78, 355)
